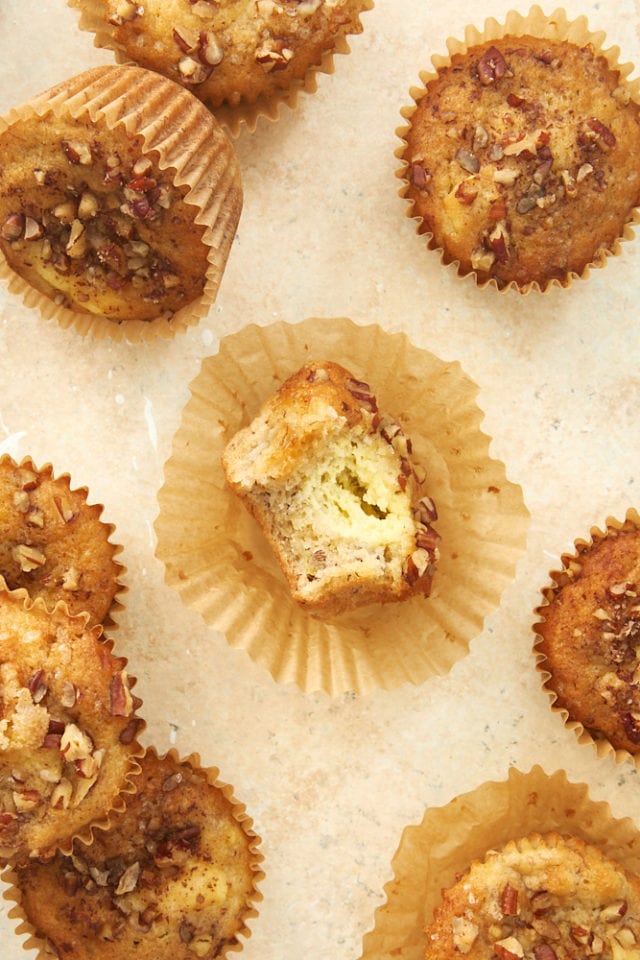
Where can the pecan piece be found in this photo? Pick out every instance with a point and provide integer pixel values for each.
(491, 66)
(13, 227)
(509, 901)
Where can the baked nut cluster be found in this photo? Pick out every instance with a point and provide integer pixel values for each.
(521, 160)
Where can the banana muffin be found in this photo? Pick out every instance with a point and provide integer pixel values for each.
(53, 542)
(330, 479)
(540, 897)
(520, 160)
(172, 878)
(68, 728)
(229, 51)
(589, 636)
(96, 209)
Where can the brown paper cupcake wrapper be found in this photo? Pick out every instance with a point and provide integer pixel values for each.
(234, 119)
(432, 853)
(74, 605)
(557, 26)
(603, 748)
(34, 941)
(220, 563)
(203, 163)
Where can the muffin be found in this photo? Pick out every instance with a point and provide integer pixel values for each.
(587, 640)
(541, 896)
(434, 855)
(53, 542)
(520, 158)
(228, 53)
(67, 728)
(217, 557)
(330, 480)
(119, 199)
(172, 878)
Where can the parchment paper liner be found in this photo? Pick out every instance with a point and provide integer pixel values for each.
(433, 852)
(556, 26)
(218, 560)
(46, 473)
(160, 111)
(84, 832)
(245, 114)
(603, 748)
(24, 927)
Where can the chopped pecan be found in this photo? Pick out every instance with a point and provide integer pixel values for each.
(491, 66)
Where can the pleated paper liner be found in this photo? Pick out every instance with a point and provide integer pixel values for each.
(55, 544)
(572, 562)
(432, 853)
(220, 563)
(139, 887)
(555, 26)
(70, 750)
(234, 117)
(180, 136)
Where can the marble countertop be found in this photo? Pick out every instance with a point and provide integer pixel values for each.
(331, 782)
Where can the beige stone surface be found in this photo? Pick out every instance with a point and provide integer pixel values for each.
(332, 782)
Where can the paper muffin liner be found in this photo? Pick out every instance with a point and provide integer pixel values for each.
(129, 735)
(432, 853)
(246, 114)
(556, 26)
(570, 565)
(220, 563)
(103, 614)
(184, 138)
(35, 940)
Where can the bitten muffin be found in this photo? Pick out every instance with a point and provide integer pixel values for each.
(93, 213)
(542, 897)
(171, 879)
(67, 729)
(521, 160)
(53, 542)
(229, 51)
(330, 480)
(589, 635)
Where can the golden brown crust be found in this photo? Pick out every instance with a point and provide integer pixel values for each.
(521, 160)
(589, 636)
(541, 897)
(88, 219)
(331, 481)
(67, 728)
(53, 542)
(231, 51)
(171, 879)
(126, 209)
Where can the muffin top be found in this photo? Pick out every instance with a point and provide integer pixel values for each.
(67, 728)
(590, 634)
(53, 543)
(171, 879)
(227, 51)
(541, 897)
(88, 218)
(521, 160)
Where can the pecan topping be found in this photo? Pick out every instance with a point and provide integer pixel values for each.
(491, 66)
